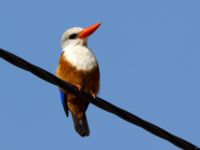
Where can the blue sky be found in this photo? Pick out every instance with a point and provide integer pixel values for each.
(148, 53)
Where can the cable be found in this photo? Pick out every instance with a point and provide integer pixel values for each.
(99, 102)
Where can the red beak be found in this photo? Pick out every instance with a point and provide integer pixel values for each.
(89, 30)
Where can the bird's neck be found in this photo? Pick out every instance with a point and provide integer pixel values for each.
(77, 42)
(80, 56)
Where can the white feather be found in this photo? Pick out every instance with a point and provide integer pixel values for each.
(80, 56)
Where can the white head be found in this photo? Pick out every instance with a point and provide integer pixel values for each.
(70, 37)
(77, 35)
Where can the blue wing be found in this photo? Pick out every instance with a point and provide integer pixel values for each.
(64, 102)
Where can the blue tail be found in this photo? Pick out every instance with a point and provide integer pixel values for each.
(64, 102)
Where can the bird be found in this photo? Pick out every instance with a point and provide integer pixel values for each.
(78, 65)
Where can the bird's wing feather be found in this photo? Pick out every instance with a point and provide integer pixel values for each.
(64, 102)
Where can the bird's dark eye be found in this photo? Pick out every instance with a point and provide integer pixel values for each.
(73, 36)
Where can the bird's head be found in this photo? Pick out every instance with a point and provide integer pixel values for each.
(77, 35)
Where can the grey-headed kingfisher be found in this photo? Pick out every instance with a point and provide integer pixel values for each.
(78, 66)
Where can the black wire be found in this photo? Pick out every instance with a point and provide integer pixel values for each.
(99, 102)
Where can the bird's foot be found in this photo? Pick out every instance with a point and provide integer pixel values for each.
(93, 94)
(79, 87)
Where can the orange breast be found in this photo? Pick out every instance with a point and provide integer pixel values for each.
(85, 80)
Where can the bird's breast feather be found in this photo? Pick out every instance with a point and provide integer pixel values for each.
(80, 57)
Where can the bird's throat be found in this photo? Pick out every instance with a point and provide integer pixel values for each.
(80, 57)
